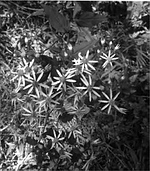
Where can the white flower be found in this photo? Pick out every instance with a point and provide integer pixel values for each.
(109, 58)
(89, 87)
(85, 61)
(78, 69)
(111, 102)
(34, 84)
(62, 78)
(22, 73)
(47, 99)
(56, 139)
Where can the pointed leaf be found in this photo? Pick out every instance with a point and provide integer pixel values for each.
(83, 47)
(57, 20)
(38, 12)
(77, 8)
(89, 19)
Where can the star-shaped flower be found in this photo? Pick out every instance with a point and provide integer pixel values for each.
(111, 102)
(47, 98)
(89, 87)
(22, 72)
(63, 78)
(34, 85)
(56, 138)
(109, 58)
(77, 70)
(85, 62)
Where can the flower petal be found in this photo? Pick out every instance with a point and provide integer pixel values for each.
(96, 93)
(105, 107)
(106, 95)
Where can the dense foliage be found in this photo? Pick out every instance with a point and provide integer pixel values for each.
(74, 85)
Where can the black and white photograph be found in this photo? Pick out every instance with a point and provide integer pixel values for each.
(74, 85)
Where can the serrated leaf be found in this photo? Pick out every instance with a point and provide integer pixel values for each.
(89, 19)
(56, 20)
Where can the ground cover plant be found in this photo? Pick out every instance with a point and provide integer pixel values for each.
(74, 85)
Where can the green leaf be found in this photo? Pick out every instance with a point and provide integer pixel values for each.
(77, 8)
(31, 141)
(56, 19)
(4, 4)
(38, 12)
(85, 110)
(134, 156)
(83, 47)
(133, 78)
(89, 19)
(108, 72)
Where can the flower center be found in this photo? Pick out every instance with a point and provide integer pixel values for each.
(20, 73)
(111, 102)
(62, 79)
(35, 84)
(85, 61)
(55, 140)
(90, 87)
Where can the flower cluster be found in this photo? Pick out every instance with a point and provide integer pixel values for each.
(60, 100)
(65, 82)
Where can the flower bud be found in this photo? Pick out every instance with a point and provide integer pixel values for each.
(69, 46)
(65, 54)
(102, 41)
(98, 51)
(117, 47)
(110, 43)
